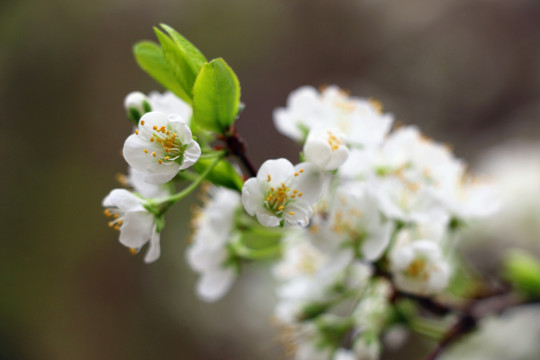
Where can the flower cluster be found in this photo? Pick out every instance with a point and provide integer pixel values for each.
(370, 216)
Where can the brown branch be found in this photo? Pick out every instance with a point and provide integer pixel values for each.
(237, 147)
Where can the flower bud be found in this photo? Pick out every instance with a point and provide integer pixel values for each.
(136, 105)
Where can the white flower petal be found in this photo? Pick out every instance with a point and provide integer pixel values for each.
(136, 229)
(214, 283)
(154, 249)
(252, 196)
(123, 200)
(191, 155)
(274, 172)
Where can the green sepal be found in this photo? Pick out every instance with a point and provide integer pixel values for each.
(523, 271)
(160, 223)
(134, 115)
(151, 59)
(313, 310)
(216, 97)
(223, 174)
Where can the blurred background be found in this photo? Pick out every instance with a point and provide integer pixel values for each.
(467, 72)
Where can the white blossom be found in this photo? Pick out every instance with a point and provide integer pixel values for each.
(208, 253)
(282, 191)
(352, 217)
(419, 265)
(161, 146)
(326, 148)
(416, 177)
(362, 120)
(136, 225)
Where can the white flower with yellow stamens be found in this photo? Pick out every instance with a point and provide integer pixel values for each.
(325, 147)
(136, 225)
(282, 191)
(161, 146)
(419, 266)
(361, 119)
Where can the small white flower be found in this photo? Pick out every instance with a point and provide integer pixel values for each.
(282, 191)
(208, 253)
(352, 218)
(419, 266)
(138, 101)
(361, 119)
(136, 225)
(161, 146)
(326, 148)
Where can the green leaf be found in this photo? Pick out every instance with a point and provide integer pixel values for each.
(151, 59)
(194, 57)
(177, 62)
(216, 96)
(223, 174)
(523, 270)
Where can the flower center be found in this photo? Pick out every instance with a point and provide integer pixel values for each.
(116, 221)
(278, 198)
(333, 141)
(168, 146)
(418, 268)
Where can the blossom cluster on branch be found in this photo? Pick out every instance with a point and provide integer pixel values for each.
(362, 230)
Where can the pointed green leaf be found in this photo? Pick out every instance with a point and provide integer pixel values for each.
(177, 62)
(194, 57)
(151, 59)
(216, 96)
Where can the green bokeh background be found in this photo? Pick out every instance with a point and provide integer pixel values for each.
(466, 71)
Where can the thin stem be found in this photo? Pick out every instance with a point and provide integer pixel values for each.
(173, 199)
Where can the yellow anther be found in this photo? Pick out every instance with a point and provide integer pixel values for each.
(301, 171)
(335, 147)
(111, 224)
(293, 196)
(166, 157)
(168, 132)
(117, 227)
(268, 178)
(145, 151)
(142, 122)
(296, 174)
(272, 189)
(281, 207)
(295, 191)
(107, 212)
(154, 154)
(283, 185)
(116, 216)
(132, 251)
(159, 161)
(300, 194)
(291, 213)
(151, 139)
(154, 127)
(136, 132)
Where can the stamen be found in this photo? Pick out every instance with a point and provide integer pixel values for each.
(133, 251)
(154, 154)
(291, 213)
(142, 122)
(154, 127)
(301, 171)
(268, 177)
(136, 132)
(159, 161)
(145, 151)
